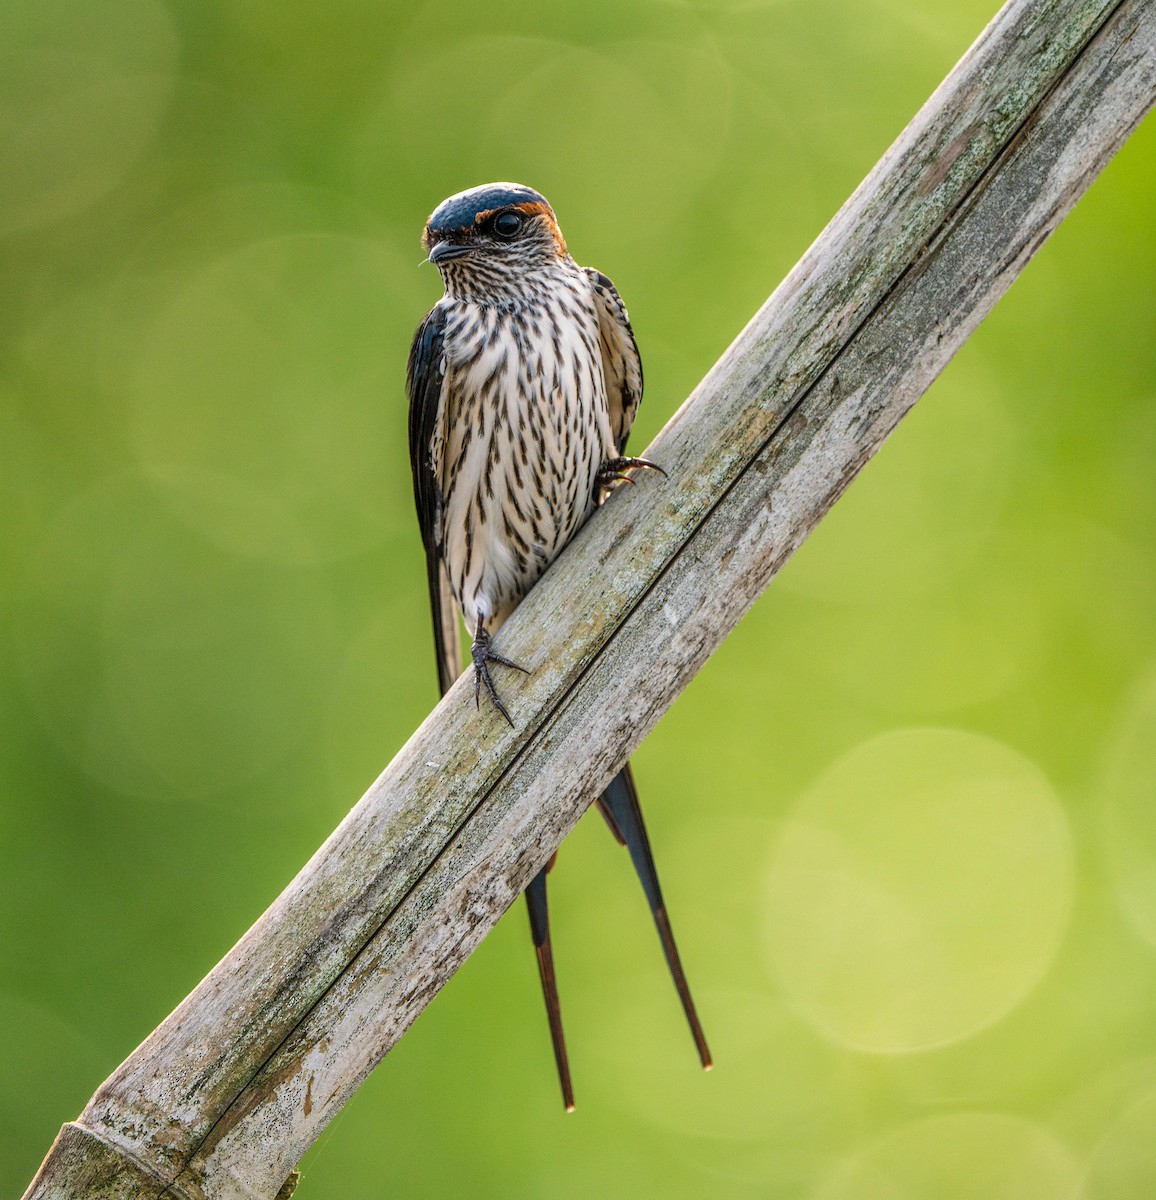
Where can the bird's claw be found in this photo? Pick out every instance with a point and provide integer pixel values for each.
(614, 470)
(483, 655)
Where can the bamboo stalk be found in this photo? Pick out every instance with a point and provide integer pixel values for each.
(224, 1098)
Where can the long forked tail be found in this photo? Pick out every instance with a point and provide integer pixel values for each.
(537, 902)
(619, 805)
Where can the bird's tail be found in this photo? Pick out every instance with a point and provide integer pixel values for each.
(619, 805)
(538, 904)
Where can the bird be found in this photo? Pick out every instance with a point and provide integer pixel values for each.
(523, 383)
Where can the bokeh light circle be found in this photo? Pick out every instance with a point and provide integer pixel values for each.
(963, 1156)
(919, 891)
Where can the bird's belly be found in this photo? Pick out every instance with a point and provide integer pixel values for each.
(524, 483)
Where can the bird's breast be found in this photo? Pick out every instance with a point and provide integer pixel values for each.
(527, 429)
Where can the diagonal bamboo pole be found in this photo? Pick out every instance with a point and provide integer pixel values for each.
(227, 1094)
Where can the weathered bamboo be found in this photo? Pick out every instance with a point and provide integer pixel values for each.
(226, 1095)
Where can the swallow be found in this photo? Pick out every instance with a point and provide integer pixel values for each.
(523, 384)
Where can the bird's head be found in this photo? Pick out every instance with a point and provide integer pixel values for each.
(493, 235)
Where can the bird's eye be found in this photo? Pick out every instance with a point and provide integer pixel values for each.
(507, 224)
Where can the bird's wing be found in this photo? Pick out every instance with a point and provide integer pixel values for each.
(424, 382)
(620, 359)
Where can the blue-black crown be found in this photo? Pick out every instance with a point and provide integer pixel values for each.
(461, 210)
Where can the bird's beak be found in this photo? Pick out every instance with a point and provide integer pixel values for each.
(444, 251)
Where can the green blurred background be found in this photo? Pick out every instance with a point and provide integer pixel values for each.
(907, 815)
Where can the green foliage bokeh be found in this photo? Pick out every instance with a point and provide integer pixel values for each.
(906, 817)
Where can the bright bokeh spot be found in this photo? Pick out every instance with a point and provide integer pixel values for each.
(965, 1156)
(1130, 811)
(919, 890)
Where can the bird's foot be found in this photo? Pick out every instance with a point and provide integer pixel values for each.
(614, 470)
(483, 654)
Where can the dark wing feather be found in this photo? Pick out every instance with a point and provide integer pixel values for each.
(620, 359)
(424, 380)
